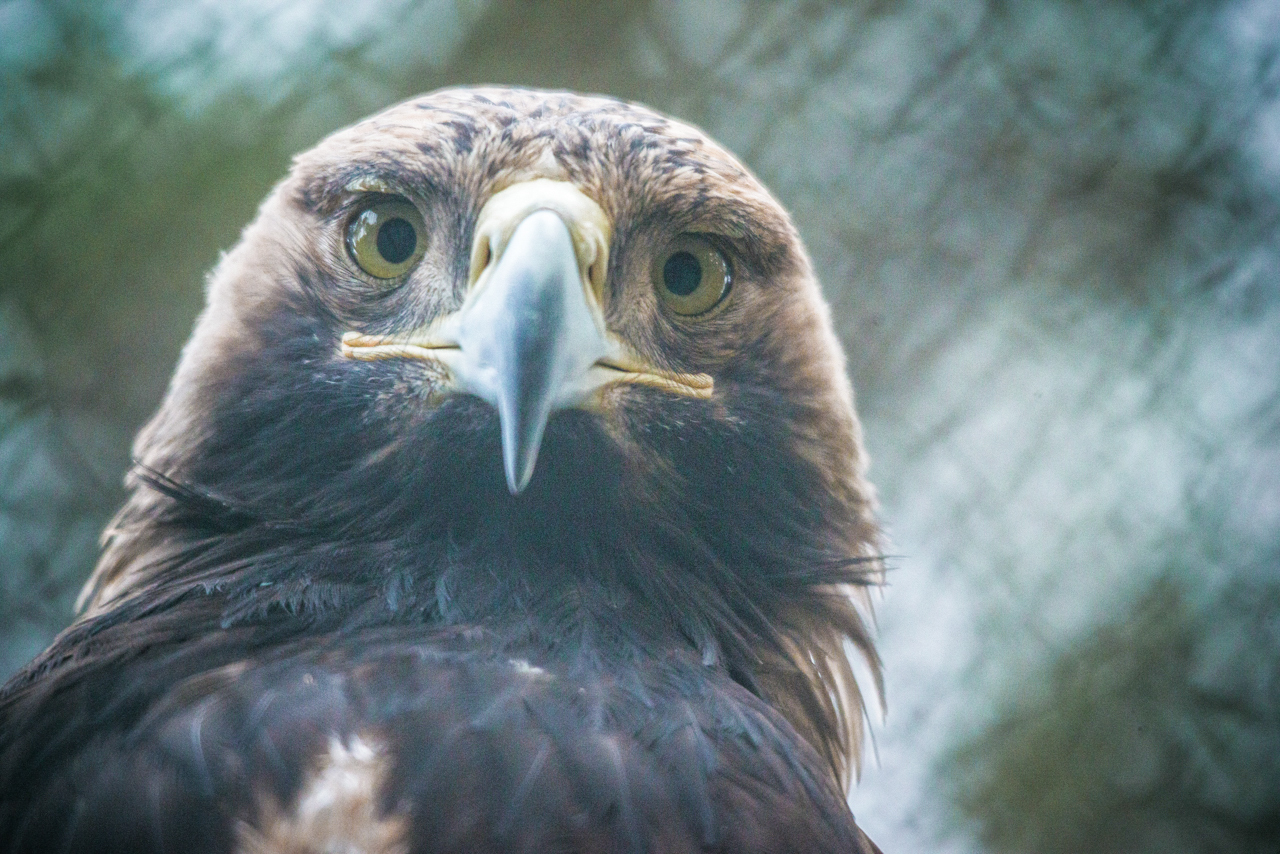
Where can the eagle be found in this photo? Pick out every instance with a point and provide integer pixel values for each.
(508, 496)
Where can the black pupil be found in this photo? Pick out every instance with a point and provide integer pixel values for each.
(682, 274)
(396, 240)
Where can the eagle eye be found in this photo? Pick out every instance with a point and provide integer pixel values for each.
(692, 276)
(386, 237)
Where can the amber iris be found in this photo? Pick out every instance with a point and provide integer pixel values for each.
(691, 276)
(386, 237)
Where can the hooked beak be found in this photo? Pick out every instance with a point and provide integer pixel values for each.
(530, 337)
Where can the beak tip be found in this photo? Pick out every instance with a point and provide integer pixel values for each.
(517, 480)
(519, 454)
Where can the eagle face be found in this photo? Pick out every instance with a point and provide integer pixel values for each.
(691, 276)
(549, 368)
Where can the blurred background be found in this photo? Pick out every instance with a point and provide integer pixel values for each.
(1049, 232)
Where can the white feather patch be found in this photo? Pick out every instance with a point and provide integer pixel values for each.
(336, 811)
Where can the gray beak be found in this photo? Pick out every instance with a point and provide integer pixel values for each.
(529, 339)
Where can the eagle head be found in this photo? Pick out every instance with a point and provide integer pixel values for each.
(550, 365)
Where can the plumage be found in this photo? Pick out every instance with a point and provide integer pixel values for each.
(377, 589)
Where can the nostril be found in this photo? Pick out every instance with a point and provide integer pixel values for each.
(596, 272)
(481, 255)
